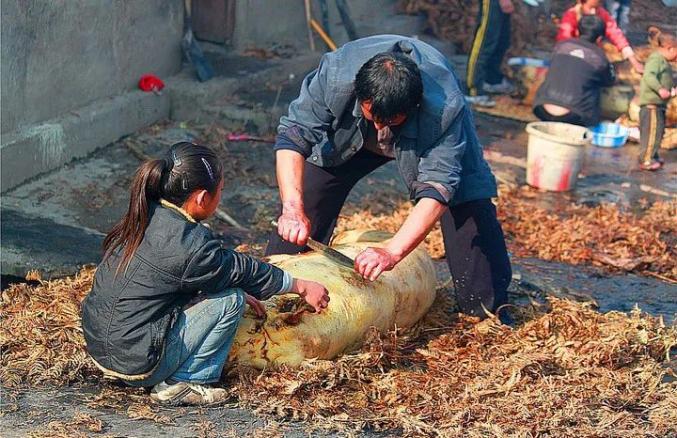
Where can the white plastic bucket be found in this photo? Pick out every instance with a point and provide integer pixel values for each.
(555, 155)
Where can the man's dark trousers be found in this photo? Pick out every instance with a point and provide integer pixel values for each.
(491, 42)
(473, 239)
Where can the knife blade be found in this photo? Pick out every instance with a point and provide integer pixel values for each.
(328, 251)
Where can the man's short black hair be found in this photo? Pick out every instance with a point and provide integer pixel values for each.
(591, 27)
(392, 82)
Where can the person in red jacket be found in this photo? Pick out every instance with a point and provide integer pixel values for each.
(568, 28)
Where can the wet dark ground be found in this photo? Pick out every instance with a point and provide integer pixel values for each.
(608, 175)
(608, 291)
(36, 409)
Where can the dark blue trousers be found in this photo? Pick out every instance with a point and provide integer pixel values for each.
(473, 238)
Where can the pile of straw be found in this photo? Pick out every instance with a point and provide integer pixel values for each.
(455, 21)
(532, 28)
(41, 334)
(566, 372)
(603, 235)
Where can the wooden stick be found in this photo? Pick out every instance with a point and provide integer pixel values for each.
(648, 189)
(661, 277)
(221, 214)
(309, 17)
(322, 34)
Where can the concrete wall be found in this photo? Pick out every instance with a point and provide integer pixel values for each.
(265, 23)
(60, 56)
(69, 68)
(270, 23)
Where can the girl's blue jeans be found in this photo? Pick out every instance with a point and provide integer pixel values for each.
(197, 345)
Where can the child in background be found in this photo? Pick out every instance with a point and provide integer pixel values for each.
(655, 90)
(568, 28)
(137, 321)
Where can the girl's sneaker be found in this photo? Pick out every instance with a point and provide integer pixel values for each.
(651, 165)
(191, 394)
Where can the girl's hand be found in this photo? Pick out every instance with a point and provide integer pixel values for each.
(314, 293)
(256, 305)
(664, 93)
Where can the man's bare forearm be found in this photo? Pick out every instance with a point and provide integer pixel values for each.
(290, 178)
(292, 225)
(416, 227)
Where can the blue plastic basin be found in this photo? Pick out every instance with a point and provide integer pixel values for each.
(609, 135)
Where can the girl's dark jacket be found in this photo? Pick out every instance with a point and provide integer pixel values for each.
(126, 316)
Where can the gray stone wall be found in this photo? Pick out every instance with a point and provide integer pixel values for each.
(59, 55)
(266, 23)
(69, 74)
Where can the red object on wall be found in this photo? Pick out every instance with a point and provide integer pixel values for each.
(151, 83)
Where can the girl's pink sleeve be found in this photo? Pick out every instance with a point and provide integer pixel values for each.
(568, 26)
(613, 32)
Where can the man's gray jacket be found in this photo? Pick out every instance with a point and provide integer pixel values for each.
(437, 150)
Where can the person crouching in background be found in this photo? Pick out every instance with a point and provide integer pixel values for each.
(137, 321)
(655, 90)
(568, 28)
(578, 71)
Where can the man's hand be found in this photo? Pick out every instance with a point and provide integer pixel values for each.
(256, 305)
(371, 262)
(664, 93)
(506, 6)
(293, 225)
(314, 293)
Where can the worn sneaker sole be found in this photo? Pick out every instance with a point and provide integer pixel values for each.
(190, 397)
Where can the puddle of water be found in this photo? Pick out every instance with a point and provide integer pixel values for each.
(619, 292)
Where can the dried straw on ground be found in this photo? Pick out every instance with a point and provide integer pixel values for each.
(603, 235)
(81, 426)
(567, 371)
(40, 332)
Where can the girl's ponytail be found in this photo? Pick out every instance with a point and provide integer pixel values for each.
(128, 233)
(186, 167)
